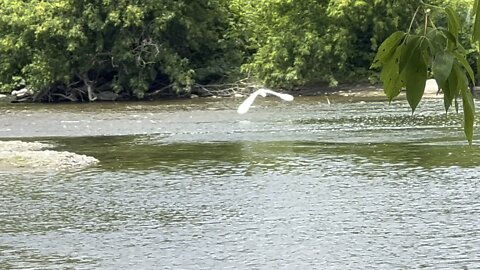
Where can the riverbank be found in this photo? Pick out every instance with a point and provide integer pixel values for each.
(237, 90)
(243, 89)
(361, 90)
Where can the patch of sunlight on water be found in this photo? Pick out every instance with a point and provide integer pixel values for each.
(355, 185)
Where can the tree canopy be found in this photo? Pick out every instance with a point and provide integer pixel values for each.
(65, 45)
(62, 48)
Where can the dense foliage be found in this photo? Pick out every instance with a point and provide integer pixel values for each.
(304, 41)
(75, 49)
(70, 46)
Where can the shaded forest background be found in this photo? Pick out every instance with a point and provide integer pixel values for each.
(75, 50)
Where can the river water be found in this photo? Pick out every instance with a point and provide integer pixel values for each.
(355, 184)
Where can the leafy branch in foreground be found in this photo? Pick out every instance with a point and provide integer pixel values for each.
(408, 59)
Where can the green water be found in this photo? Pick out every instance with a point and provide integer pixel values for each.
(357, 184)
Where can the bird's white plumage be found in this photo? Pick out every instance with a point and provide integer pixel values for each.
(247, 103)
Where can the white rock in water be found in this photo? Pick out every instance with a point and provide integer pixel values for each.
(24, 92)
(31, 156)
(18, 146)
(431, 87)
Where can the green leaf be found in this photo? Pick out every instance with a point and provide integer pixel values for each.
(462, 59)
(411, 47)
(387, 49)
(390, 76)
(413, 68)
(462, 78)
(468, 113)
(452, 40)
(453, 21)
(438, 40)
(476, 25)
(462, 83)
(449, 89)
(442, 66)
(416, 77)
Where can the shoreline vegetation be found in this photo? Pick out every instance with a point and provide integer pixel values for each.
(238, 89)
(82, 51)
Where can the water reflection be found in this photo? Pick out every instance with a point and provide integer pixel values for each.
(144, 153)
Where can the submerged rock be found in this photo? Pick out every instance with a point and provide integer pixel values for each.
(34, 156)
(431, 86)
(22, 93)
(18, 146)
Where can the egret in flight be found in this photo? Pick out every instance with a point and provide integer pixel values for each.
(245, 106)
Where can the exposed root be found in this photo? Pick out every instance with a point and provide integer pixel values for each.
(160, 92)
(84, 89)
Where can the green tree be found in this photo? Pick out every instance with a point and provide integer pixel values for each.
(298, 42)
(76, 48)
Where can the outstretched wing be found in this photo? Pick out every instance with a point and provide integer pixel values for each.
(247, 103)
(285, 97)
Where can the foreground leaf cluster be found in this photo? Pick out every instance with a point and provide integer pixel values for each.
(408, 59)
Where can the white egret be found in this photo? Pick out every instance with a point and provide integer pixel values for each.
(247, 103)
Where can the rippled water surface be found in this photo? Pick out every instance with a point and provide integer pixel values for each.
(357, 184)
